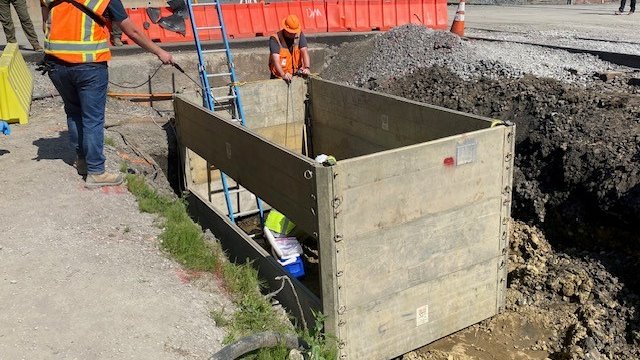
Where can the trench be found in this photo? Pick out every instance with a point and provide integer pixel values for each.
(564, 158)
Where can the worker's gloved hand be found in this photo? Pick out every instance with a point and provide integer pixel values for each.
(43, 67)
(305, 72)
(4, 128)
(287, 77)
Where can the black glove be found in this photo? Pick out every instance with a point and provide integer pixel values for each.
(43, 66)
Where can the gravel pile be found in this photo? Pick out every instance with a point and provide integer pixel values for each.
(603, 323)
(405, 49)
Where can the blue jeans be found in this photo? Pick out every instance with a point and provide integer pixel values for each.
(83, 89)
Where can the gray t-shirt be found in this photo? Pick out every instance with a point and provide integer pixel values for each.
(275, 47)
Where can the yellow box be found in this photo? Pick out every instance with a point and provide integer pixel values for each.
(16, 86)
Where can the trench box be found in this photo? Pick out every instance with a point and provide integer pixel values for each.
(411, 224)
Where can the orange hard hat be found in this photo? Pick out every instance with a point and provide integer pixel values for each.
(291, 24)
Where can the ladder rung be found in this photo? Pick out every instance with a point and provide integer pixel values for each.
(213, 51)
(236, 191)
(228, 97)
(209, 28)
(219, 74)
(248, 212)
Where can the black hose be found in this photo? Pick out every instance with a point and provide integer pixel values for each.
(258, 341)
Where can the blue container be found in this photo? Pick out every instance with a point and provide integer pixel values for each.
(295, 268)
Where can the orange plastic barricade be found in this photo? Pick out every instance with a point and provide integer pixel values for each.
(312, 14)
(263, 19)
(368, 15)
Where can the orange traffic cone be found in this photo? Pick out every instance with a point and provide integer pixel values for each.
(458, 21)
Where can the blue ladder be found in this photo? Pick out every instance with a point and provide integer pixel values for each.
(231, 100)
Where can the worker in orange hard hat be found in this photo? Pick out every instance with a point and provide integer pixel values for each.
(289, 53)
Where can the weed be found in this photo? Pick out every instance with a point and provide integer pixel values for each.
(109, 141)
(126, 229)
(184, 240)
(124, 167)
(321, 345)
(219, 317)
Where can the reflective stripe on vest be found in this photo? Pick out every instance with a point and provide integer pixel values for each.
(290, 62)
(73, 36)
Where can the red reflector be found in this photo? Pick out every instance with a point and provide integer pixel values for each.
(449, 161)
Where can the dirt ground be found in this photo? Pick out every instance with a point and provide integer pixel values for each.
(572, 289)
(81, 274)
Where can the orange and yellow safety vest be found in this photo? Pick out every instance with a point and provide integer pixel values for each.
(73, 35)
(290, 62)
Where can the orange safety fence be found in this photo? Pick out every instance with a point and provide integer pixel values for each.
(263, 19)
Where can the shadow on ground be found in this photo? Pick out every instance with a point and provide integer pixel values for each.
(57, 148)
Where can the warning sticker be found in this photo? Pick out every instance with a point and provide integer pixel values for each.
(466, 152)
(422, 315)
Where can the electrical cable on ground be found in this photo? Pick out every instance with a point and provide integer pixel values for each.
(155, 72)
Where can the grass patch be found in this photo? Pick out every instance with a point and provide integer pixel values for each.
(109, 141)
(184, 240)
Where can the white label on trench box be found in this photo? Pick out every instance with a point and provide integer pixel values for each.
(466, 152)
(422, 315)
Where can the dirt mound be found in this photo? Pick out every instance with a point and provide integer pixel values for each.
(575, 146)
(602, 323)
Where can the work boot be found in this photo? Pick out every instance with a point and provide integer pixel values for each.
(38, 48)
(618, 12)
(81, 166)
(104, 179)
(116, 42)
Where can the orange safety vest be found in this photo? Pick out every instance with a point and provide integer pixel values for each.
(73, 35)
(289, 62)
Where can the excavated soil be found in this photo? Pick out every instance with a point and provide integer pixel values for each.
(576, 183)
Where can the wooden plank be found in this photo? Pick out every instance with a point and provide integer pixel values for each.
(240, 248)
(327, 250)
(383, 119)
(420, 227)
(287, 135)
(280, 177)
(327, 140)
(401, 185)
(271, 102)
(403, 321)
(425, 249)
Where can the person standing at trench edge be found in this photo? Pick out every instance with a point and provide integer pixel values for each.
(289, 53)
(76, 54)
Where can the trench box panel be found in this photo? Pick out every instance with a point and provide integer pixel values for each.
(421, 252)
(349, 121)
(411, 222)
(282, 178)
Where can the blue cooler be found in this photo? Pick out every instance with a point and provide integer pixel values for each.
(294, 266)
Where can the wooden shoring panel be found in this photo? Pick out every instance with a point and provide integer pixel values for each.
(406, 320)
(420, 228)
(398, 186)
(419, 251)
(241, 248)
(386, 121)
(282, 178)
